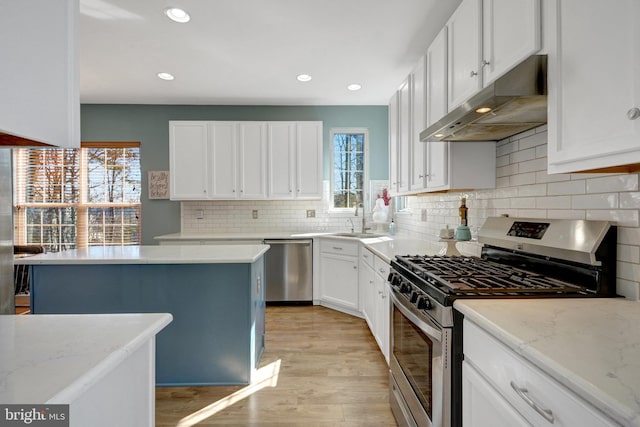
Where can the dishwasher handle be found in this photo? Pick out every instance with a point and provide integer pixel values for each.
(305, 242)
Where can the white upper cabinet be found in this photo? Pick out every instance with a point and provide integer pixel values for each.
(282, 154)
(295, 160)
(404, 135)
(245, 160)
(309, 160)
(223, 160)
(464, 52)
(393, 144)
(188, 160)
(487, 38)
(252, 172)
(436, 101)
(510, 34)
(418, 124)
(39, 73)
(594, 86)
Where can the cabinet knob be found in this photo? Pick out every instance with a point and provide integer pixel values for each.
(633, 113)
(485, 62)
(473, 73)
(355, 267)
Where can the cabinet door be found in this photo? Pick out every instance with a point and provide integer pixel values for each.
(464, 49)
(339, 280)
(252, 144)
(282, 154)
(404, 135)
(39, 78)
(309, 160)
(510, 34)
(418, 124)
(223, 147)
(437, 78)
(383, 315)
(437, 164)
(366, 279)
(393, 145)
(483, 406)
(594, 95)
(188, 160)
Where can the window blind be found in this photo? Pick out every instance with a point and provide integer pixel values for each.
(68, 198)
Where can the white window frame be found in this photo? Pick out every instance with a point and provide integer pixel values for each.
(365, 177)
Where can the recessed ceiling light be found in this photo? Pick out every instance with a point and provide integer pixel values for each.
(483, 110)
(166, 76)
(354, 87)
(177, 15)
(304, 78)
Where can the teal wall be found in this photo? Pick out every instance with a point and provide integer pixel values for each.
(148, 124)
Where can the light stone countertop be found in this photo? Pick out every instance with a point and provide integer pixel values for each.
(155, 254)
(56, 358)
(591, 346)
(254, 235)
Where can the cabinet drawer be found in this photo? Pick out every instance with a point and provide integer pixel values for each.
(381, 267)
(517, 381)
(339, 247)
(366, 256)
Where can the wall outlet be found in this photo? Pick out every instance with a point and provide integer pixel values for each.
(311, 213)
(423, 215)
(199, 213)
(254, 214)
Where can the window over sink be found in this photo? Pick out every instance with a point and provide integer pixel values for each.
(349, 158)
(73, 198)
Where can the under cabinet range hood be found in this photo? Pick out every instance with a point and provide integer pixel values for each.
(514, 103)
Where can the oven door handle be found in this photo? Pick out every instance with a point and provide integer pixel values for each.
(427, 326)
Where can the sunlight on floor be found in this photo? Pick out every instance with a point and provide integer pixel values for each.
(267, 376)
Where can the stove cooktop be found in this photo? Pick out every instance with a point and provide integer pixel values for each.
(450, 277)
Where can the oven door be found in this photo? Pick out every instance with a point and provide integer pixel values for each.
(420, 366)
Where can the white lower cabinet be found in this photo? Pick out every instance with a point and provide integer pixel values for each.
(499, 385)
(374, 297)
(339, 275)
(483, 406)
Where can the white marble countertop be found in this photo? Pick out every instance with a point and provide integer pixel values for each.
(56, 358)
(254, 235)
(155, 254)
(592, 346)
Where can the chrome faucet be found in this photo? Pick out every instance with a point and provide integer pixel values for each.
(364, 219)
(352, 226)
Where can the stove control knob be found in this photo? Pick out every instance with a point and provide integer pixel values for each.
(397, 281)
(405, 288)
(414, 297)
(423, 303)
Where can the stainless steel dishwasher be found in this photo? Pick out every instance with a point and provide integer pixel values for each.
(289, 271)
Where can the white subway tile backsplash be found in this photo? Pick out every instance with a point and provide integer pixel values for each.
(628, 288)
(566, 187)
(627, 218)
(522, 179)
(628, 253)
(595, 201)
(566, 214)
(534, 140)
(553, 202)
(522, 155)
(533, 165)
(613, 183)
(506, 148)
(543, 177)
(630, 200)
(531, 190)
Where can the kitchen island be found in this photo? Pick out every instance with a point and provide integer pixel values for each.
(99, 365)
(214, 293)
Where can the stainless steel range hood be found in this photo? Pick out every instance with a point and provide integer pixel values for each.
(517, 102)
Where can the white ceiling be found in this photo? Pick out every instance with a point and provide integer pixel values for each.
(249, 52)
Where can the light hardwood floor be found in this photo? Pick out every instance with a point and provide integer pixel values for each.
(331, 373)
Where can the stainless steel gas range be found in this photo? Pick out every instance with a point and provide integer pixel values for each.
(521, 258)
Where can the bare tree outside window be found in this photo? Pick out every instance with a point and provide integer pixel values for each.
(348, 169)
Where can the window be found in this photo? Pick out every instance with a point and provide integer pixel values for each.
(348, 166)
(74, 198)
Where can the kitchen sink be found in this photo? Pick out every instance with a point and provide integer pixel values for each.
(358, 235)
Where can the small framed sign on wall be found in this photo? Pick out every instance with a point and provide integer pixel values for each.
(158, 184)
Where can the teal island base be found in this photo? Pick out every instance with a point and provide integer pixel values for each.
(217, 333)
